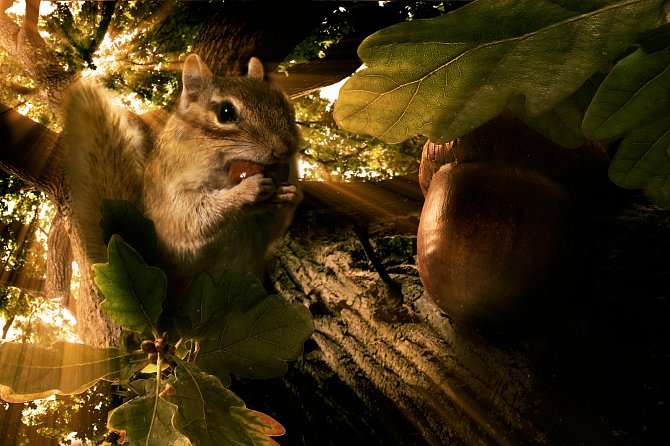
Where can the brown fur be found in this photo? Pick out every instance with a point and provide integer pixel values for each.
(203, 222)
(105, 158)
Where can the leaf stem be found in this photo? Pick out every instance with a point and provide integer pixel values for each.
(159, 367)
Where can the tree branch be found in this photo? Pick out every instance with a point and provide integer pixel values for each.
(23, 281)
(108, 9)
(389, 205)
(20, 89)
(7, 326)
(308, 77)
(30, 151)
(26, 46)
(393, 291)
(322, 122)
(31, 17)
(341, 60)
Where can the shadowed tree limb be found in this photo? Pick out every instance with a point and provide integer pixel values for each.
(30, 151)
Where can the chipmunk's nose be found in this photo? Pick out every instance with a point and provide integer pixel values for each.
(283, 141)
(283, 151)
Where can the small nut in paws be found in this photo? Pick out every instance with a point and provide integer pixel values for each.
(242, 169)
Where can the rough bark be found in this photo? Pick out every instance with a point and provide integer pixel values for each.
(59, 261)
(24, 44)
(381, 373)
(439, 380)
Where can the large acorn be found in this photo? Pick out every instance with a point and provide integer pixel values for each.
(501, 236)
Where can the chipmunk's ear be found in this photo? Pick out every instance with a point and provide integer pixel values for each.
(194, 76)
(255, 69)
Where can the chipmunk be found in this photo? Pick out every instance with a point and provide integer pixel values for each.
(218, 179)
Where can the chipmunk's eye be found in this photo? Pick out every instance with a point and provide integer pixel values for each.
(226, 113)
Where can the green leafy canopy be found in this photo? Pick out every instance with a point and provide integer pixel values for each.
(544, 60)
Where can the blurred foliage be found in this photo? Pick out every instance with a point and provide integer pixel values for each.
(25, 216)
(59, 418)
(330, 153)
(127, 47)
(18, 200)
(315, 46)
(20, 209)
(74, 31)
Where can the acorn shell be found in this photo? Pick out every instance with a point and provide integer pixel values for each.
(494, 242)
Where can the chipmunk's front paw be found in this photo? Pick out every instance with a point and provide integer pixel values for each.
(288, 194)
(258, 188)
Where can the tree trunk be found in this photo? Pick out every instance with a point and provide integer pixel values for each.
(378, 372)
(25, 44)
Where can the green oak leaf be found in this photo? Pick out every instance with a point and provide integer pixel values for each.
(210, 415)
(656, 39)
(254, 342)
(635, 91)
(446, 76)
(258, 425)
(188, 395)
(206, 297)
(146, 419)
(122, 218)
(562, 124)
(642, 160)
(29, 372)
(133, 291)
(240, 328)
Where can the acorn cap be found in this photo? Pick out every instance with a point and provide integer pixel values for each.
(507, 140)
